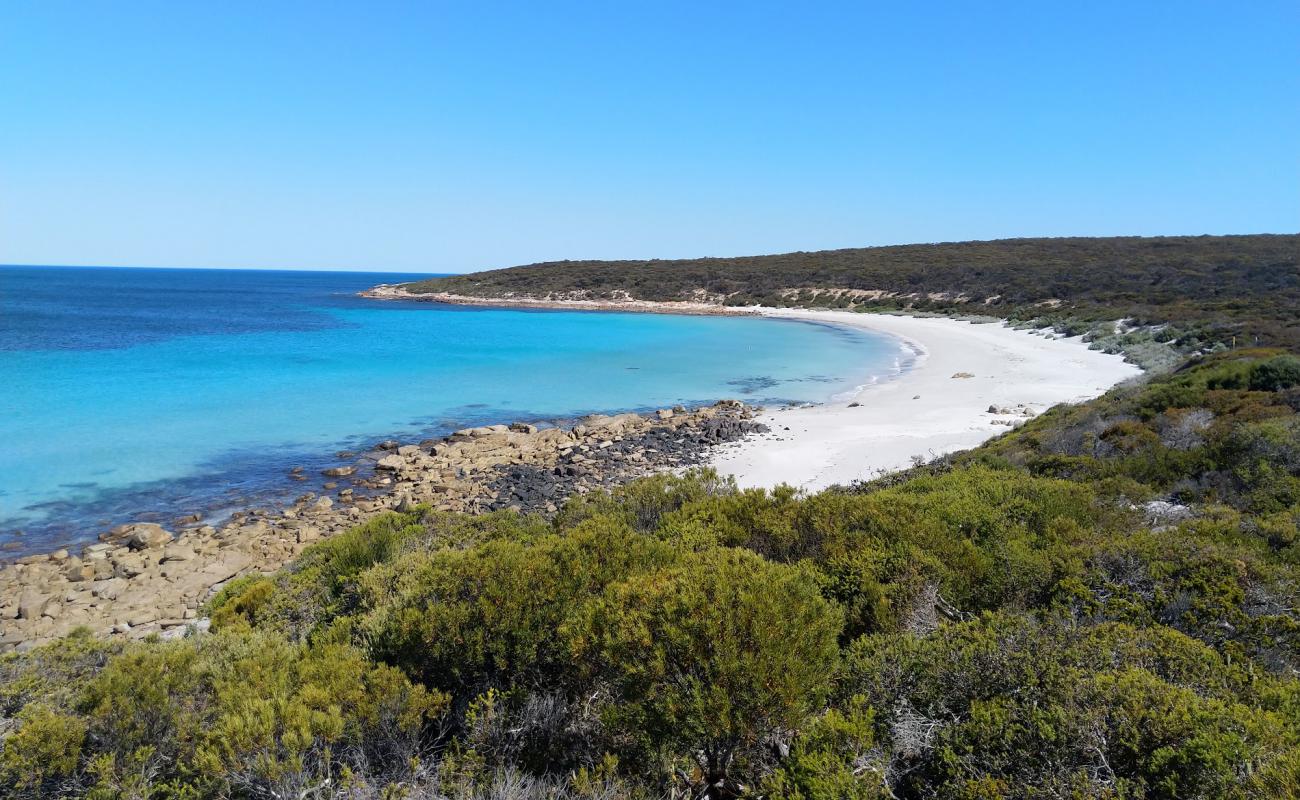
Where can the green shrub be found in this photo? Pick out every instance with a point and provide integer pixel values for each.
(712, 655)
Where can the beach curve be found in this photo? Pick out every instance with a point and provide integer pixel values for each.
(969, 382)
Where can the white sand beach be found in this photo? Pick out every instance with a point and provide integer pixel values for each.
(925, 411)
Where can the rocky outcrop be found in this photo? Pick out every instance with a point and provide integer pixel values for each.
(142, 579)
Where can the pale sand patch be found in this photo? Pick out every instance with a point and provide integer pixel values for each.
(924, 411)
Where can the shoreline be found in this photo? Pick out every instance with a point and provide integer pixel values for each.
(967, 382)
(141, 578)
(396, 292)
(958, 384)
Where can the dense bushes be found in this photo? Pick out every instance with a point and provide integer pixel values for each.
(243, 712)
(1214, 289)
(1101, 604)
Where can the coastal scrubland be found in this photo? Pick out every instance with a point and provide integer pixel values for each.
(1103, 603)
(1210, 288)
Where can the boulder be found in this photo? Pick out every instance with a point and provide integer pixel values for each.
(390, 463)
(128, 566)
(96, 552)
(177, 552)
(77, 570)
(144, 535)
(338, 472)
(31, 604)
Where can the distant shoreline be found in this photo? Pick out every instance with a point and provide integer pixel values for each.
(385, 291)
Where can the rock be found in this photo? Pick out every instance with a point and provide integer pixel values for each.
(77, 570)
(854, 404)
(59, 555)
(523, 427)
(177, 552)
(664, 413)
(388, 445)
(338, 472)
(408, 450)
(1162, 512)
(962, 375)
(323, 504)
(253, 530)
(96, 552)
(145, 536)
(31, 604)
(390, 463)
(107, 589)
(128, 567)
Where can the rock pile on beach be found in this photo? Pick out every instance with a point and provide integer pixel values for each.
(141, 578)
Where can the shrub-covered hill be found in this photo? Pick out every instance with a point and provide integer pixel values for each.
(1102, 604)
(1249, 286)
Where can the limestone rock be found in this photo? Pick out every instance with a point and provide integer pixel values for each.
(31, 604)
(390, 463)
(145, 536)
(177, 552)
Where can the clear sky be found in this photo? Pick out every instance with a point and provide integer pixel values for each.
(450, 137)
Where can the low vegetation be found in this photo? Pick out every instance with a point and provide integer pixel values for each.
(1104, 603)
(1212, 289)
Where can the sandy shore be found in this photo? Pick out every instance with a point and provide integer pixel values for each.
(925, 411)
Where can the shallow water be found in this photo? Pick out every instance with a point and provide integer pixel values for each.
(146, 394)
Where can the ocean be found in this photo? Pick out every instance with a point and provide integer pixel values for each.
(146, 394)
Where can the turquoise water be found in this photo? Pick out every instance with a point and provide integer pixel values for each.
(146, 394)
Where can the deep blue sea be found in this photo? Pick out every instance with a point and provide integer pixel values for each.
(132, 394)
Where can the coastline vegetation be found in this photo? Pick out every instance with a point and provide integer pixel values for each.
(1103, 603)
(1195, 290)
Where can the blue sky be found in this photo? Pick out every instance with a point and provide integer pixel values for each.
(451, 137)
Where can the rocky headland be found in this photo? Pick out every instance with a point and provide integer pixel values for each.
(142, 579)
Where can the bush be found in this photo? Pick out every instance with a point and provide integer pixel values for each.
(1276, 374)
(711, 656)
